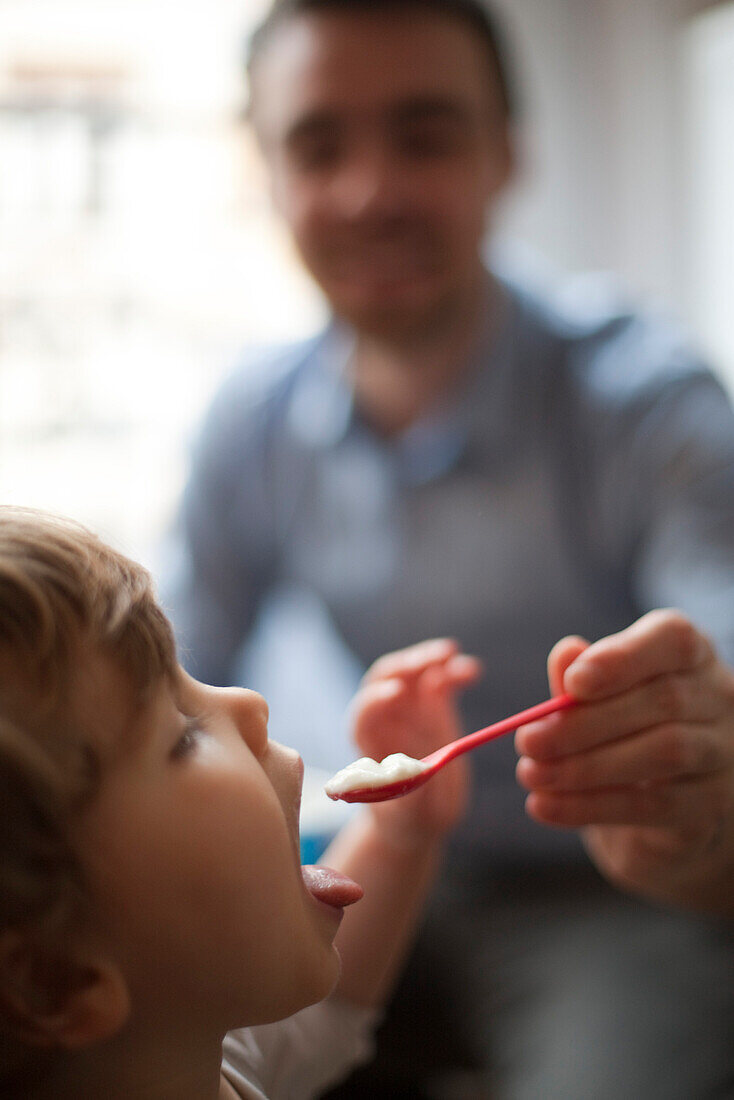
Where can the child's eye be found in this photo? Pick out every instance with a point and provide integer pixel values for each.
(188, 740)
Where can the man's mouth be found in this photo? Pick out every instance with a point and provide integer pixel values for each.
(385, 263)
(384, 256)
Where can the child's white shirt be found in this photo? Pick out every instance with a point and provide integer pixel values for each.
(302, 1056)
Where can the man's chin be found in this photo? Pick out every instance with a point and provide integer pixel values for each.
(393, 319)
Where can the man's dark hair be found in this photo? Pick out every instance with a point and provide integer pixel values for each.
(474, 13)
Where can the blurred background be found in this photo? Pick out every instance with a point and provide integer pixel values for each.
(139, 256)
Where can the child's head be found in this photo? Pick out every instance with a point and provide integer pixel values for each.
(149, 861)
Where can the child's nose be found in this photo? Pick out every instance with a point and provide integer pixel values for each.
(249, 711)
(253, 702)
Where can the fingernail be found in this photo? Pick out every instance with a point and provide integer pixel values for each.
(586, 677)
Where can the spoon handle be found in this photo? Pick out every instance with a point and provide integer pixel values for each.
(497, 729)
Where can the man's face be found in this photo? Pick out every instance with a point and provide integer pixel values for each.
(387, 144)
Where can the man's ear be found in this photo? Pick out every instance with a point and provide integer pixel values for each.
(66, 998)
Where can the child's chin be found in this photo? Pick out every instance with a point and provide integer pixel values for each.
(312, 989)
(319, 980)
(329, 976)
(314, 997)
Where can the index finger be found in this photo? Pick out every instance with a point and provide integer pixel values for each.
(411, 662)
(658, 643)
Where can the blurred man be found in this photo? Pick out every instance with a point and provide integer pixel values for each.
(454, 455)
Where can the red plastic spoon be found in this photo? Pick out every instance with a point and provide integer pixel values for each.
(441, 757)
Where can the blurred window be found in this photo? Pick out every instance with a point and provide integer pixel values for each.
(710, 105)
(138, 252)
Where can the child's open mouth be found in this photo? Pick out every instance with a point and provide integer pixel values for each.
(331, 887)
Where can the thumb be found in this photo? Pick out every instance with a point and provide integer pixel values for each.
(561, 657)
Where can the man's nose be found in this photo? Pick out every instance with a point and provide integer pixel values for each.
(367, 184)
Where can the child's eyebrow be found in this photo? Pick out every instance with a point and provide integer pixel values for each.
(149, 720)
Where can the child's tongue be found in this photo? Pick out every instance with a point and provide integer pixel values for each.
(331, 887)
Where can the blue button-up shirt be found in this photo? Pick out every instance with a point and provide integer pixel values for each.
(583, 474)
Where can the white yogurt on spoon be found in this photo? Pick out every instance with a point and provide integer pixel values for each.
(367, 773)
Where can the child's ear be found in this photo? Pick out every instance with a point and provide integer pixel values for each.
(56, 997)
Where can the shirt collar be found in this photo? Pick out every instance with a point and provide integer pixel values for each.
(321, 410)
(322, 413)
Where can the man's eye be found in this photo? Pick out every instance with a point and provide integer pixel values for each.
(315, 152)
(188, 740)
(432, 140)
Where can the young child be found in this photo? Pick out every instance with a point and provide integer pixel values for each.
(154, 918)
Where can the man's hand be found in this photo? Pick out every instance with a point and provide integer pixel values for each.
(407, 703)
(644, 766)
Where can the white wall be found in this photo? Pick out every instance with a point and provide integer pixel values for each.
(606, 181)
(710, 200)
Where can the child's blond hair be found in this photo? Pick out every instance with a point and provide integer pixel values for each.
(66, 600)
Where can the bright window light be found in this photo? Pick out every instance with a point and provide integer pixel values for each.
(710, 65)
(139, 251)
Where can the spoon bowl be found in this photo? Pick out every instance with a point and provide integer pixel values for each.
(438, 759)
